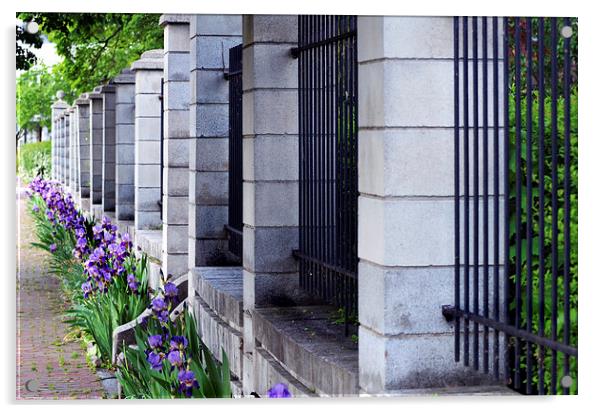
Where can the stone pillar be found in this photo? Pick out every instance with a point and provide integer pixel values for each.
(211, 37)
(95, 147)
(108, 148)
(57, 108)
(147, 177)
(406, 204)
(83, 135)
(59, 168)
(64, 147)
(124, 145)
(72, 152)
(176, 98)
(270, 169)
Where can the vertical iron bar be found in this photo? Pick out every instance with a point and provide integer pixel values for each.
(496, 202)
(518, 193)
(301, 86)
(318, 160)
(541, 224)
(506, 195)
(554, 117)
(466, 190)
(313, 167)
(567, 202)
(475, 130)
(529, 177)
(485, 199)
(456, 192)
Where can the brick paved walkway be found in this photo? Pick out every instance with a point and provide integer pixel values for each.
(47, 367)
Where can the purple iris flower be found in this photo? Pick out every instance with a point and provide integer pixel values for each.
(175, 358)
(126, 241)
(87, 289)
(155, 360)
(82, 243)
(35, 208)
(132, 283)
(279, 391)
(158, 305)
(52, 248)
(155, 341)
(187, 382)
(178, 343)
(170, 290)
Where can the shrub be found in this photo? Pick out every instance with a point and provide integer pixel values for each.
(33, 159)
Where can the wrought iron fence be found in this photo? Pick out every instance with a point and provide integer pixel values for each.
(327, 53)
(515, 241)
(234, 226)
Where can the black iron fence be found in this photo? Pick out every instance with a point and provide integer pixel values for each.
(327, 53)
(234, 226)
(515, 308)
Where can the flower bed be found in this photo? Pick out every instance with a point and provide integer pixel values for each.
(107, 286)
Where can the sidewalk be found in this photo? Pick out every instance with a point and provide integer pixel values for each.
(47, 367)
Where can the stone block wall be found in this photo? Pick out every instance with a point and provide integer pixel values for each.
(83, 137)
(96, 154)
(147, 174)
(211, 37)
(108, 148)
(176, 98)
(124, 144)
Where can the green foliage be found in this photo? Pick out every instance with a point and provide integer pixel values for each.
(36, 91)
(25, 40)
(61, 262)
(33, 159)
(138, 380)
(545, 273)
(100, 314)
(97, 46)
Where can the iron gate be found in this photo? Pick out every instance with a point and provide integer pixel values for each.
(234, 226)
(519, 233)
(327, 53)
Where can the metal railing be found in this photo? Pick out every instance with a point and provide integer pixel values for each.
(524, 286)
(328, 192)
(234, 227)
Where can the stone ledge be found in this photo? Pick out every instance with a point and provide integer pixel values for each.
(221, 288)
(150, 242)
(488, 390)
(216, 334)
(174, 19)
(268, 372)
(310, 346)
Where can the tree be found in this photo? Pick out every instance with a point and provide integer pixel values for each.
(97, 46)
(25, 57)
(36, 90)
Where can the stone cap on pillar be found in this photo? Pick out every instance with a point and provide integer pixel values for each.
(108, 88)
(58, 107)
(60, 104)
(166, 19)
(95, 94)
(126, 76)
(82, 100)
(150, 60)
